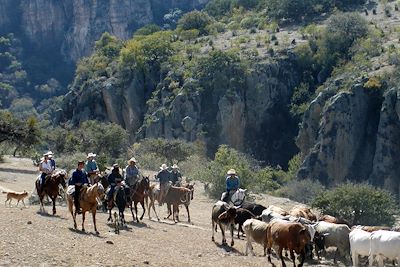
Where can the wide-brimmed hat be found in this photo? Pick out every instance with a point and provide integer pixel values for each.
(115, 166)
(81, 162)
(91, 155)
(164, 167)
(231, 172)
(132, 160)
(175, 166)
(45, 154)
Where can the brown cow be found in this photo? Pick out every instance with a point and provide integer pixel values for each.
(303, 212)
(332, 219)
(223, 215)
(371, 228)
(291, 236)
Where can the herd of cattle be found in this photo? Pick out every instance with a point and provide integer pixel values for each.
(299, 231)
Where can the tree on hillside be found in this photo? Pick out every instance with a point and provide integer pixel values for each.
(23, 134)
(195, 20)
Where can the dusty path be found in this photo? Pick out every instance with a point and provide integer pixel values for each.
(28, 238)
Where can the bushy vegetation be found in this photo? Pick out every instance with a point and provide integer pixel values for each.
(151, 153)
(13, 77)
(23, 135)
(195, 20)
(358, 204)
(108, 139)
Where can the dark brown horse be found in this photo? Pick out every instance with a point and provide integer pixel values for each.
(51, 188)
(138, 195)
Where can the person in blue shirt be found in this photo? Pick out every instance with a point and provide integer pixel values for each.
(79, 178)
(91, 168)
(232, 185)
(131, 173)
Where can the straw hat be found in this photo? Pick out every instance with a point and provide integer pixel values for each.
(175, 166)
(115, 166)
(132, 160)
(231, 172)
(164, 167)
(90, 155)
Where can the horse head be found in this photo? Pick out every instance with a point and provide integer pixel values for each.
(145, 182)
(59, 177)
(238, 197)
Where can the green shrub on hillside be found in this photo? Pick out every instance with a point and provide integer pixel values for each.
(147, 52)
(147, 30)
(195, 20)
(359, 204)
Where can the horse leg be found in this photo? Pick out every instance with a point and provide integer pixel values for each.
(169, 211)
(154, 208)
(137, 218)
(94, 220)
(73, 213)
(133, 215)
(53, 199)
(144, 209)
(187, 209)
(109, 217)
(83, 221)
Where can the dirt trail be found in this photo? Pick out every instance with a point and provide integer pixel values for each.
(28, 238)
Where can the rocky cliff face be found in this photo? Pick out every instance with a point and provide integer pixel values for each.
(352, 136)
(250, 119)
(71, 27)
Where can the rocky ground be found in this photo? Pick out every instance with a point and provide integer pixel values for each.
(29, 238)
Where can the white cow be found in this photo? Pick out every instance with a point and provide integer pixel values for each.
(359, 244)
(384, 244)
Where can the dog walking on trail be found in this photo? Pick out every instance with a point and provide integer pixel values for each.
(17, 196)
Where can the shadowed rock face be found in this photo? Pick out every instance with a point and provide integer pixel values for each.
(71, 26)
(253, 117)
(353, 136)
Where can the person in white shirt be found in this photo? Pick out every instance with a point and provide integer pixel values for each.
(45, 168)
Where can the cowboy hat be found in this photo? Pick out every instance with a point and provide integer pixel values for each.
(91, 155)
(175, 166)
(164, 167)
(231, 172)
(115, 166)
(132, 160)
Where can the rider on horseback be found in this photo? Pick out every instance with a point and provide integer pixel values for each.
(114, 179)
(91, 167)
(176, 176)
(131, 174)
(79, 178)
(232, 185)
(46, 168)
(164, 176)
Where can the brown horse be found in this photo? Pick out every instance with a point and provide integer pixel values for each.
(51, 188)
(88, 202)
(138, 195)
(153, 194)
